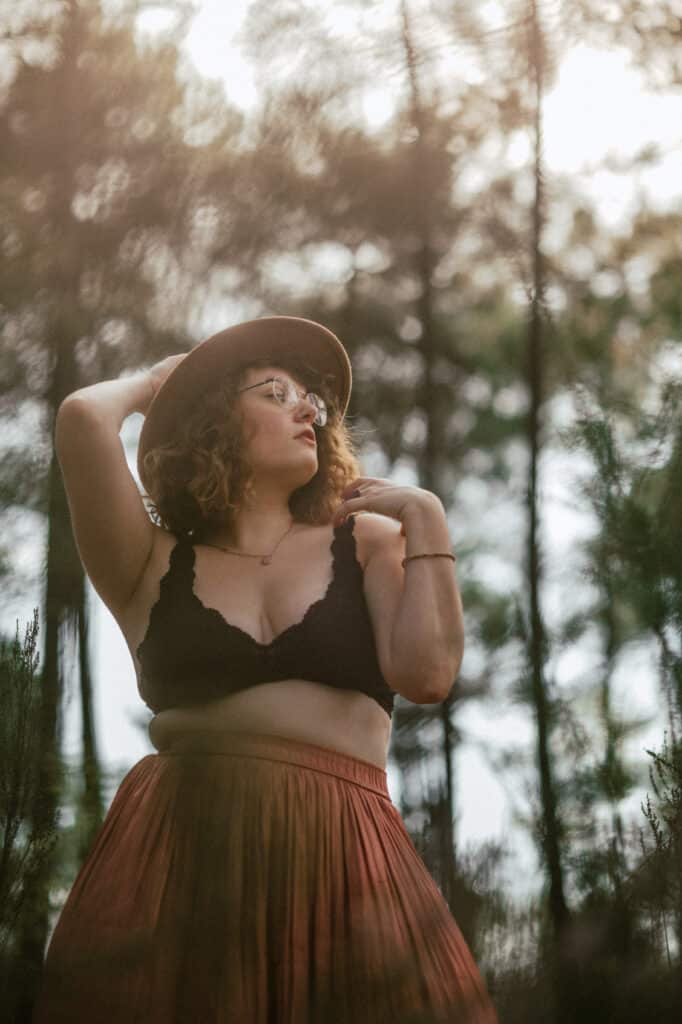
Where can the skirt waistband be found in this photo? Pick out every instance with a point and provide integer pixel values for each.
(294, 751)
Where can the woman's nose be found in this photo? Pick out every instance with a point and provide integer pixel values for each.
(308, 407)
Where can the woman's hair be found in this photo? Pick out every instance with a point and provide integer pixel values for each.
(199, 478)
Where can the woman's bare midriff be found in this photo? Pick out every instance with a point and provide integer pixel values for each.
(343, 720)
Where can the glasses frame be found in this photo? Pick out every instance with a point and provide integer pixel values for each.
(310, 396)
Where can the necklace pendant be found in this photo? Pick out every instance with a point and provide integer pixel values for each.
(266, 560)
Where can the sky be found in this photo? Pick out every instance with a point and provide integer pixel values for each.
(598, 108)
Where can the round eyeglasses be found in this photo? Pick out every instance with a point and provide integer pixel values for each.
(287, 395)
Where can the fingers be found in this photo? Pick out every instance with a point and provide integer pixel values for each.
(357, 483)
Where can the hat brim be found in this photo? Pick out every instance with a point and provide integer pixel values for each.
(234, 348)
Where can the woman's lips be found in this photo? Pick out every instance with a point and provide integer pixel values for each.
(308, 438)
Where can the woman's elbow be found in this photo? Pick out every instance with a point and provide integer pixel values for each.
(427, 689)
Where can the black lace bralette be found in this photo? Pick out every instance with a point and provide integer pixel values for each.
(191, 654)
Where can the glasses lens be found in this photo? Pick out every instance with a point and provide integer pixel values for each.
(286, 393)
(282, 391)
(320, 408)
(321, 417)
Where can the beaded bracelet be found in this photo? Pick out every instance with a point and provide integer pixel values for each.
(437, 554)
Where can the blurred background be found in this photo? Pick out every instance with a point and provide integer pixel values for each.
(483, 201)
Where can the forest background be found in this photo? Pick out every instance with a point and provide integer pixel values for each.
(515, 336)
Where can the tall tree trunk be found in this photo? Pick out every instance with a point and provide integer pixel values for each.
(551, 843)
(421, 198)
(64, 584)
(612, 769)
(91, 804)
(59, 605)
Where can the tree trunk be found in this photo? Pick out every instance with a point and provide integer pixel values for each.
(58, 601)
(428, 471)
(64, 571)
(91, 804)
(551, 842)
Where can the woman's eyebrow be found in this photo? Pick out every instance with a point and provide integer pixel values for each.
(301, 388)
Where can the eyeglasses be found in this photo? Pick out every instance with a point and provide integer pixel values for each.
(287, 395)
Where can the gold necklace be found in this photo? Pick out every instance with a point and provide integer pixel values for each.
(265, 559)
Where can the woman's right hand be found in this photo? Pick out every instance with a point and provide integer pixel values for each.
(156, 375)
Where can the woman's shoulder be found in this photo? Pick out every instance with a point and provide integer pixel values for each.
(375, 533)
(159, 561)
(165, 540)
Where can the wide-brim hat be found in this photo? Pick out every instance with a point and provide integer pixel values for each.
(234, 348)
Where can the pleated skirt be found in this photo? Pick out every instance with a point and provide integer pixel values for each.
(272, 881)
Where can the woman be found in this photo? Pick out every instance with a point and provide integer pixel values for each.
(254, 870)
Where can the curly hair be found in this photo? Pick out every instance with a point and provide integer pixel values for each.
(199, 479)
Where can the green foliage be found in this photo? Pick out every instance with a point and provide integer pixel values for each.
(103, 199)
(22, 848)
(663, 864)
(635, 493)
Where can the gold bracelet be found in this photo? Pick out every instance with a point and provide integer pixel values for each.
(438, 554)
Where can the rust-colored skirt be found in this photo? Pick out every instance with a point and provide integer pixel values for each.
(270, 882)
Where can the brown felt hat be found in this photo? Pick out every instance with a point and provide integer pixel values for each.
(234, 348)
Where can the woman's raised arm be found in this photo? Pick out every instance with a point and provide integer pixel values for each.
(113, 532)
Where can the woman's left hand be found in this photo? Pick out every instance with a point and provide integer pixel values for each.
(373, 494)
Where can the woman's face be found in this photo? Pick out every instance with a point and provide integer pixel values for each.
(274, 444)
